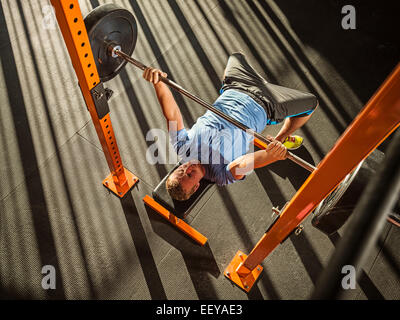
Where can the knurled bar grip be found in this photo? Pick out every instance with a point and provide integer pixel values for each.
(208, 106)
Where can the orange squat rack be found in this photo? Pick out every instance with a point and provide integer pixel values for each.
(379, 118)
(70, 21)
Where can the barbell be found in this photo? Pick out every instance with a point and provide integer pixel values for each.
(112, 33)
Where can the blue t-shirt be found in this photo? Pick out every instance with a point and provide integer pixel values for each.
(216, 142)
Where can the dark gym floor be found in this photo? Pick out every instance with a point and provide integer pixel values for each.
(55, 211)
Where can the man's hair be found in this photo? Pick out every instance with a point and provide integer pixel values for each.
(174, 187)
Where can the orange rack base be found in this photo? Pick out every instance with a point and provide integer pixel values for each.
(121, 191)
(245, 282)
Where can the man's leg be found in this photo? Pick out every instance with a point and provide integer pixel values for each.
(290, 126)
(237, 67)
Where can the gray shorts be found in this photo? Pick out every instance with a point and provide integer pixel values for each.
(278, 102)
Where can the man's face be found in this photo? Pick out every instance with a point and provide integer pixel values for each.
(193, 173)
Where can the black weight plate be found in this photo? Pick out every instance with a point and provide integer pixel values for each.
(107, 24)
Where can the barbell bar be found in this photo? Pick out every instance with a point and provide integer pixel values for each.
(115, 51)
(112, 33)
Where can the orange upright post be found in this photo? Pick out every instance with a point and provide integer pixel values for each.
(70, 20)
(379, 118)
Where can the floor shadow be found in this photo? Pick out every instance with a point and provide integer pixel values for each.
(383, 147)
(243, 234)
(232, 19)
(230, 16)
(199, 260)
(271, 187)
(148, 34)
(364, 281)
(315, 145)
(292, 171)
(141, 118)
(390, 257)
(369, 288)
(216, 34)
(364, 56)
(94, 3)
(286, 170)
(197, 47)
(34, 187)
(143, 249)
(304, 59)
(308, 256)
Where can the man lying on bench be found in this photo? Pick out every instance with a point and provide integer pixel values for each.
(215, 149)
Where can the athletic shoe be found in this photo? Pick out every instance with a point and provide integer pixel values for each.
(293, 142)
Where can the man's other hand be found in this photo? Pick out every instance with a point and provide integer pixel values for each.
(277, 151)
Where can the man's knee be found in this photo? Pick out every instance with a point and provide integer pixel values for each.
(316, 103)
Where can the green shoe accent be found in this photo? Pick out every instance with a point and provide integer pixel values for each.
(293, 142)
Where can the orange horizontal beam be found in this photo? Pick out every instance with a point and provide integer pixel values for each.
(175, 221)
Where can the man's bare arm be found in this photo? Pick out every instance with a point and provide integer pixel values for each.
(243, 165)
(167, 101)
